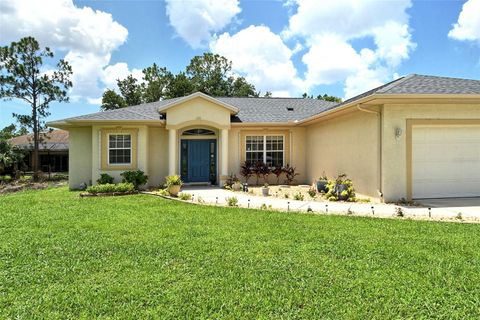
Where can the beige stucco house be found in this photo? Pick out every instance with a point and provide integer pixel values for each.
(415, 137)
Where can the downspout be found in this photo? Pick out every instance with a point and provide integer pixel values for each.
(380, 149)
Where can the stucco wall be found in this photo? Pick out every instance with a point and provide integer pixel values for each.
(394, 150)
(80, 156)
(347, 144)
(157, 155)
(141, 154)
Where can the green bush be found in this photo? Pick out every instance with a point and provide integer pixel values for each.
(111, 188)
(185, 196)
(105, 178)
(298, 196)
(26, 178)
(58, 177)
(340, 189)
(137, 178)
(163, 192)
(5, 179)
(232, 201)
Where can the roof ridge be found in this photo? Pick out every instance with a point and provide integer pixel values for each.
(395, 83)
(266, 98)
(445, 77)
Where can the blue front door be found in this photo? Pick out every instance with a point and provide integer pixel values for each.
(198, 160)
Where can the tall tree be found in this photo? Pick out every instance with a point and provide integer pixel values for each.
(209, 74)
(241, 88)
(327, 97)
(130, 90)
(11, 131)
(157, 80)
(21, 78)
(179, 87)
(112, 100)
(10, 155)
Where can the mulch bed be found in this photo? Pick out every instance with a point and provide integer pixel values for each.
(109, 194)
(19, 186)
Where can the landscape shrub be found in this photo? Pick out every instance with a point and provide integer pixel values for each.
(290, 174)
(246, 170)
(137, 178)
(277, 171)
(232, 178)
(163, 192)
(185, 196)
(340, 189)
(5, 179)
(298, 196)
(58, 177)
(232, 201)
(105, 178)
(111, 188)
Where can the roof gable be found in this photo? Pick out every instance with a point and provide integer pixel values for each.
(176, 102)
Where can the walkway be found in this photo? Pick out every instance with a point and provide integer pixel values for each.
(218, 196)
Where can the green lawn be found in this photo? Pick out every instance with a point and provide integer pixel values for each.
(146, 257)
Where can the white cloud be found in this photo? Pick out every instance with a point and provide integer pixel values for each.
(468, 24)
(119, 71)
(364, 80)
(262, 57)
(87, 36)
(329, 60)
(196, 21)
(329, 31)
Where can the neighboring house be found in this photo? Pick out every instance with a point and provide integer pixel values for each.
(53, 153)
(415, 137)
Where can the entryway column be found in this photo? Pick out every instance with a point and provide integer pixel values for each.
(224, 155)
(172, 151)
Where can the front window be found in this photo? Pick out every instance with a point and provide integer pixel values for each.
(267, 149)
(119, 149)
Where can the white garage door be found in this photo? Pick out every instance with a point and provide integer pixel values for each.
(445, 161)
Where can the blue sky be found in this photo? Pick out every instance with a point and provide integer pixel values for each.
(340, 47)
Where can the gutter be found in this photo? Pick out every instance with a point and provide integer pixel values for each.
(380, 143)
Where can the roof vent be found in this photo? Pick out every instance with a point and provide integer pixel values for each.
(290, 108)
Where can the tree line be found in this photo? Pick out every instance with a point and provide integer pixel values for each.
(209, 73)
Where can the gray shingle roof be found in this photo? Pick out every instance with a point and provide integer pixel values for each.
(250, 110)
(421, 84)
(276, 110)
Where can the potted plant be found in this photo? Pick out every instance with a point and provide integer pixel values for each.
(173, 184)
(236, 186)
(322, 183)
(265, 190)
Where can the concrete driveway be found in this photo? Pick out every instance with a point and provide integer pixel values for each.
(468, 206)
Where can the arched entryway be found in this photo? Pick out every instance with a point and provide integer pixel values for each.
(198, 155)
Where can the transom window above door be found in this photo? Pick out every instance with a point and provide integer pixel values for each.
(198, 132)
(119, 148)
(268, 149)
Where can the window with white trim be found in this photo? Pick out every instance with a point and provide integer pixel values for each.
(268, 149)
(119, 149)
